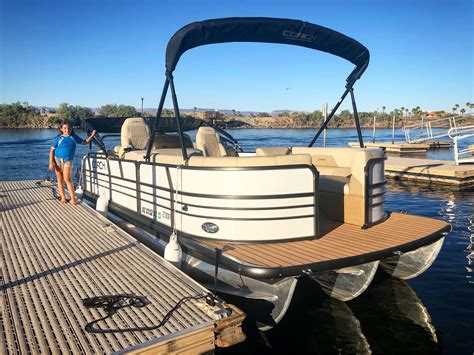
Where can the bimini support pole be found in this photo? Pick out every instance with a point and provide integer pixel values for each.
(351, 79)
(356, 118)
(325, 124)
(157, 118)
(178, 118)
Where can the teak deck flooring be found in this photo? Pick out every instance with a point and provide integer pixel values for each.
(52, 256)
(338, 241)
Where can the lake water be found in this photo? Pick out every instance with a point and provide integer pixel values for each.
(433, 313)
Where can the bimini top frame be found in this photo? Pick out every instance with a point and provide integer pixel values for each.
(266, 30)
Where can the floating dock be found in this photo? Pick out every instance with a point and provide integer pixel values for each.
(400, 147)
(403, 147)
(430, 171)
(53, 256)
(440, 144)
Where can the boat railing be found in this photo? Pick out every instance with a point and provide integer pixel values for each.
(422, 132)
(463, 155)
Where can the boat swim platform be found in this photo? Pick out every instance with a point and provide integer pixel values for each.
(53, 256)
(442, 172)
(339, 245)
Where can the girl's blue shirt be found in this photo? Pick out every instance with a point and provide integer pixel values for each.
(65, 146)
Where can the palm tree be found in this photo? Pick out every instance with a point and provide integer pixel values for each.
(456, 106)
(402, 109)
(462, 111)
(383, 109)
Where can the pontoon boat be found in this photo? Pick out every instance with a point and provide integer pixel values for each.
(260, 220)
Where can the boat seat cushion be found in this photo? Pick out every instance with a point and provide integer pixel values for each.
(334, 171)
(174, 154)
(342, 181)
(196, 158)
(134, 133)
(209, 142)
(270, 151)
(334, 184)
(353, 159)
(300, 159)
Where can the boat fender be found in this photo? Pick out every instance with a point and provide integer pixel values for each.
(102, 203)
(79, 192)
(173, 252)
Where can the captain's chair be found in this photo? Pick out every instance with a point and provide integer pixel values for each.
(208, 141)
(134, 133)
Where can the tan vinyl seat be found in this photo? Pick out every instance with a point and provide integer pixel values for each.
(344, 174)
(162, 155)
(229, 162)
(134, 133)
(208, 141)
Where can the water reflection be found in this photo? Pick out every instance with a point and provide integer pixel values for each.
(394, 320)
(454, 206)
(387, 318)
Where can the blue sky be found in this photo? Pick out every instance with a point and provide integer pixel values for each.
(92, 53)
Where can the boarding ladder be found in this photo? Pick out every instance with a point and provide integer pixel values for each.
(464, 155)
(423, 132)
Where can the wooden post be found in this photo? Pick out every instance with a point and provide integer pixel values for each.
(373, 132)
(393, 129)
(325, 115)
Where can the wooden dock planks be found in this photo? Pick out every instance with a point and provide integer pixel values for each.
(53, 256)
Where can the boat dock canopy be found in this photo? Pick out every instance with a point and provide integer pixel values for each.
(267, 30)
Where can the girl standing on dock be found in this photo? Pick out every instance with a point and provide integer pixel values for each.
(61, 156)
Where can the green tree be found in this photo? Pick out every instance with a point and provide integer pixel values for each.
(75, 114)
(118, 111)
(316, 117)
(20, 115)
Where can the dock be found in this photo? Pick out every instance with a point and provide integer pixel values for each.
(397, 147)
(54, 256)
(430, 171)
(404, 147)
(440, 144)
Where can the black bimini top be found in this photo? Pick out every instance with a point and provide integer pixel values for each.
(268, 30)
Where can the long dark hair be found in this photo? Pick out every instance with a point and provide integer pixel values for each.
(63, 122)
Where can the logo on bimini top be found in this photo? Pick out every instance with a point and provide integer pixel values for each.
(299, 36)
